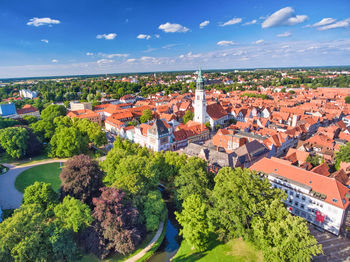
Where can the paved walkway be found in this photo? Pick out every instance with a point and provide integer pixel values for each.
(10, 197)
(149, 246)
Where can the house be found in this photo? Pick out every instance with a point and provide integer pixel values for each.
(80, 106)
(8, 110)
(321, 200)
(26, 93)
(156, 136)
(28, 110)
(85, 114)
(191, 132)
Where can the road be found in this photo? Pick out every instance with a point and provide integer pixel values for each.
(10, 197)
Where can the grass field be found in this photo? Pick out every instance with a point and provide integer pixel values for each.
(235, 250)
(48, 173)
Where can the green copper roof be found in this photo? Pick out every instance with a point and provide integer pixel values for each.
(199, 78)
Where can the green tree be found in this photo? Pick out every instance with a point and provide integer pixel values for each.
(192, 178)
(53, 111)
(14, 141)
(347, 100)
(67, 142)
(43, 129)
(146, 116)
(153, 210)
(22, 236)
(343, 155)
(283, 237)
(238, 195)
(188, 116)
(194, 222)
(74, 214)
(314, 160)
(92, 130)
(134, 174)
(30, 119)
(41, 194)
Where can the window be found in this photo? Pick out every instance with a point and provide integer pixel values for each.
(291, 201)
(334, 200)
(296, 203)
(291, 193)
(297, 195)
(303, 198)
(302, 206)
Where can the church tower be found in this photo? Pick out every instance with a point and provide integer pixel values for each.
(200, 104)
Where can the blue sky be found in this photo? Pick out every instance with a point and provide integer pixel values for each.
(59, 37)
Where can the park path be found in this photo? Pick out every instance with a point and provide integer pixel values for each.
(10, 197)
(149, 246)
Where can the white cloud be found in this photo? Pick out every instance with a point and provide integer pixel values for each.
(54, 61)
(104, 61)
(253, 22)
(173, 28)
(110, 36)
(143, 36)
(225, 43)
(284, 16)
(115, 55)
(204, 24)
(260, 41)
(45, 41)
(285, 34)
(89, 54)
(35, 21)
(324, 21)
(131, 60)
(190, 55)
(340, 24)
(156, 36)
(233, 21)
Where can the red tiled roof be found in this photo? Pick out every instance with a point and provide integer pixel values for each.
(332, 188)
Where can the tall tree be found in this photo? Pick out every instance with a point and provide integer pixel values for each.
(118, 219)
(81, 178)
(92, 130)
(67, 142)
(41, 194)
(134, 174)
(73, 213)
(53, 111)
(238, 195)
(194, 222)
(43, 129)
(14, 141)
(283, 237)
(192, 178)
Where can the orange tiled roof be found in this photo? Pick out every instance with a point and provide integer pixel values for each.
(332, 188)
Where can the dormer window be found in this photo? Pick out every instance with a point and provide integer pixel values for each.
(334, 200)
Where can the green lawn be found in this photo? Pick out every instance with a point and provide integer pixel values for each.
(5, 158)
(235, 250)
(48, 173)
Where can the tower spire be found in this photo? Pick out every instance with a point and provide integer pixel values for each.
(200, 82)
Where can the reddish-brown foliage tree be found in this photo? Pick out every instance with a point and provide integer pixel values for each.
(118, 219)
(81, 178)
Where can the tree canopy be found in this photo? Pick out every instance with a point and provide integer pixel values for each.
(81, 178)
(14, 141)
(194, 222)
(188, 116)
(146, 116)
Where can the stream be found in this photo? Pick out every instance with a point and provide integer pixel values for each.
(171, 242)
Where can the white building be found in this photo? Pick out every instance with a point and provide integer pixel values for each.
(200, 103)
(203, 113)
(321, 200)
(26, 93)
(156, 136)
